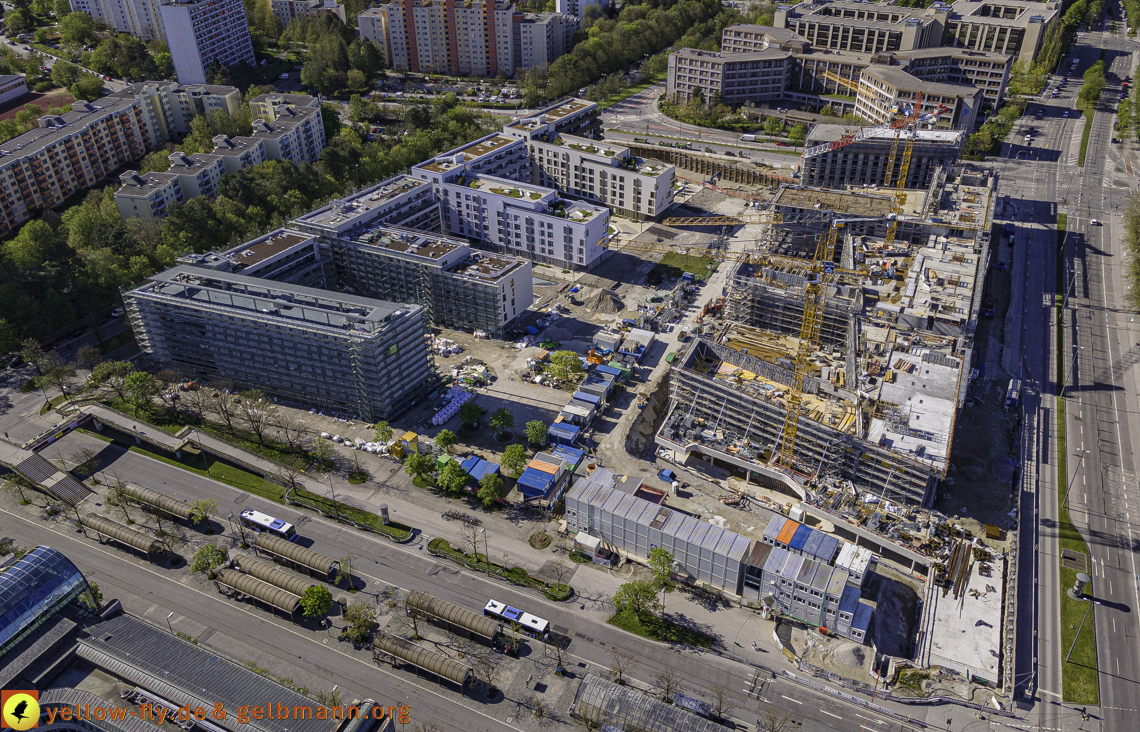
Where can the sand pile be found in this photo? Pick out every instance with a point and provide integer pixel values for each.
(603, 301)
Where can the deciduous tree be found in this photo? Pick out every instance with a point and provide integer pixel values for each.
(208, 558)
(536, 432)
(514, 459)
(445, 440)
(316, 601)
(636, 597)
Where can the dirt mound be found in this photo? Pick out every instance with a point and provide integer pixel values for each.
(603, 301)
(558, 334)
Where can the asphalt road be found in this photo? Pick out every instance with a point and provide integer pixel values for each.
(413, 568)
(1101, 401)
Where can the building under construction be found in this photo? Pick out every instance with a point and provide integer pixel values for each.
(864, 163)
(883, 388)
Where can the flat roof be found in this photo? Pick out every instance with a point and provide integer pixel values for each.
(361, 204)
(768, 53)
(554, 114)
(82, 115)
(484, 266)
(141, 186)
(470, 153)
(965, 632)
(895, 76)
(828, 132)
(275, 300)
(258, 250)
(183, 673)
(410, 241)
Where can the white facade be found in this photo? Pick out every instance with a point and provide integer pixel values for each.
(147, 197)
(289, 10)
(482, 198)
(577, 7)
(169, 106)
(139, 18)
(601, 172)
(200, 32)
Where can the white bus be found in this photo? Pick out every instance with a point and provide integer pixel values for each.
(261, 522)
(532, 625)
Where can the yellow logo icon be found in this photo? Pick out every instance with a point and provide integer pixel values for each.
(20, 710)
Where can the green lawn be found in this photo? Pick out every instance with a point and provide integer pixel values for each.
(223, 473)
(675, 265)
(655, 628)
(1085, 137)
(629, 91)
(1078, 676)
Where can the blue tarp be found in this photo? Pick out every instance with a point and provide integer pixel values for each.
(608, 370)
(532, 330)
(563, 434)
(589, 398)
(483, 468)
(800, 537)
(534, 482)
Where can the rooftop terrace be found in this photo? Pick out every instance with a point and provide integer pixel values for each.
(258, 250)
(469, 154)
(484, 266)
(408, 241)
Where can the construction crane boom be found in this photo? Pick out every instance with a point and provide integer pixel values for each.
(911, 116)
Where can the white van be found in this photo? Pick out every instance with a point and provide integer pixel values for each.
(748, 138)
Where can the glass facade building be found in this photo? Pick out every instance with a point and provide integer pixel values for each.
(34, 589)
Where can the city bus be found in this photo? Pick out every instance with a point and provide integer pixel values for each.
(532, 625)
(261, 522)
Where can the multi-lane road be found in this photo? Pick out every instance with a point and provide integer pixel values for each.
(1043, 178)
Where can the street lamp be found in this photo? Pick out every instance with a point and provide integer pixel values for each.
(168, 617)
(1065, 385)
(1074, 478)
(486, 551)
(1086, 617)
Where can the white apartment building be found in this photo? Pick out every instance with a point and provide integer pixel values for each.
(540, 38)
(200, 32)
(190, 176)
(239, 152)
(601, 172)
(296, 117)
(289, 10)
(139, 18)
(170, 106)
(577, 7)
(483, 199)
(400, 201)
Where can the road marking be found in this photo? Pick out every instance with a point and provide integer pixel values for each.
(797, 701)
(838, 717)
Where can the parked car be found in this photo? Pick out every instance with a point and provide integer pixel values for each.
(284, 76)
(1066, 113)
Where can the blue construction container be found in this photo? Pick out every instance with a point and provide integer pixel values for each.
(562, 433)
(588, 398)
(803, 533)
(534, 483)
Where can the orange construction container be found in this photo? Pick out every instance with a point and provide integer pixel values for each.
(543, 466)
(786, 533)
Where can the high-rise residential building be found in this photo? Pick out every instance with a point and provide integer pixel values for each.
(577, 8)
(355, 355)
(289, 10)
(540, 38)
(471, 37)
(291, 126)
(202, 32)
(139, 18)
(148, 196)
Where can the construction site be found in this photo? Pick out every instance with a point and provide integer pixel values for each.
(867, 403)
